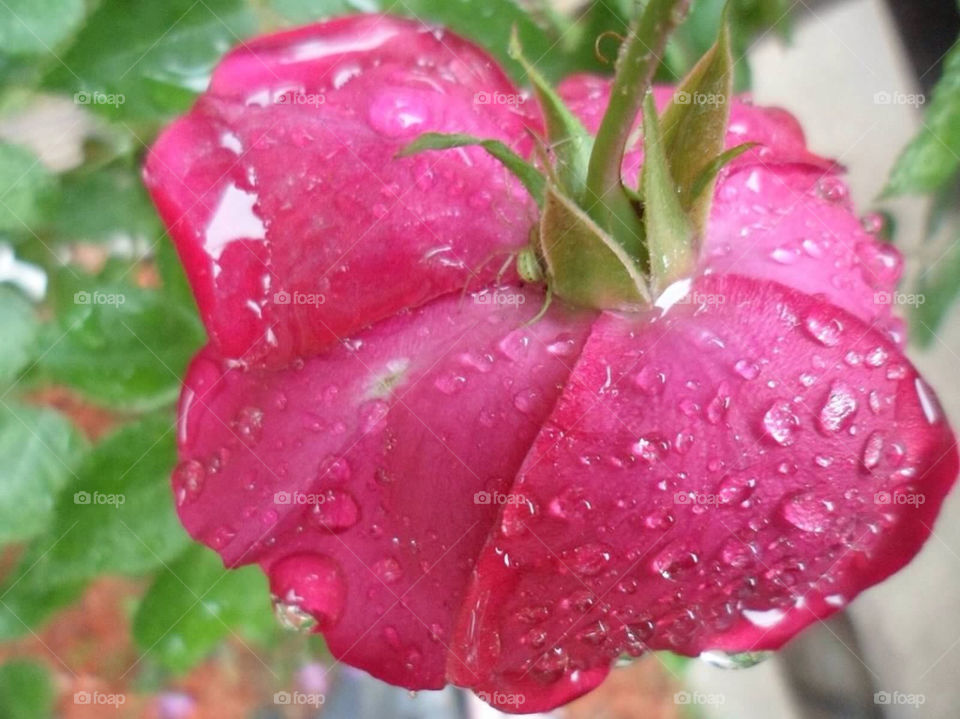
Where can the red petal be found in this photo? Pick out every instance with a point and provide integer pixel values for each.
(283, 193)
(390, 437)
(715, 478)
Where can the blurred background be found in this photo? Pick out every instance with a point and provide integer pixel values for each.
(99, 620)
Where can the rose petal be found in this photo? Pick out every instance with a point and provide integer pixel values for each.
(357, 473)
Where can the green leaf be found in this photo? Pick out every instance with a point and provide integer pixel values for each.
(569, 139)
(122, 346)
(39, 450)
(78, 212)
(665, 221)
(118, 516)
(525, 172)
(30, 597)
(36, 27)
(26, 691)
(194, 603)
(938, 287)
(933, 157)
(18, 324)
(24, 185)
(695, 125)
(584, 264)
(134, 51)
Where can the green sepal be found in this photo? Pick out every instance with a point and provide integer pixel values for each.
(568, 138)
(668, 231)
(695, 125)
(585, 265)
(710, 172)
(525, 172)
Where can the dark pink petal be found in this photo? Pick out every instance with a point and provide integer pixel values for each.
(352, 477)
(795, 225)
(718, 477)
(297, 224)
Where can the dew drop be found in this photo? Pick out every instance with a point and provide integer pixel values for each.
(872, 450)
(650, 380)
(747, 369)
(780, 423)
(823, 328)
(335, 511)
(807, 512)
(839, 408)
(739, 660)
(308, 591)
(188, 479)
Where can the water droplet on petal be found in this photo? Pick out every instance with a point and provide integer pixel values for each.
(248, 424)
(872, 450)
(308, 591)
(675, 561)
(823, 328)
(807, 512)
(388, 570)
(747, 369)
(780, 423)
(738, 660)
(188, 480)
(839, 408)
(335, 511)
(650, 380)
